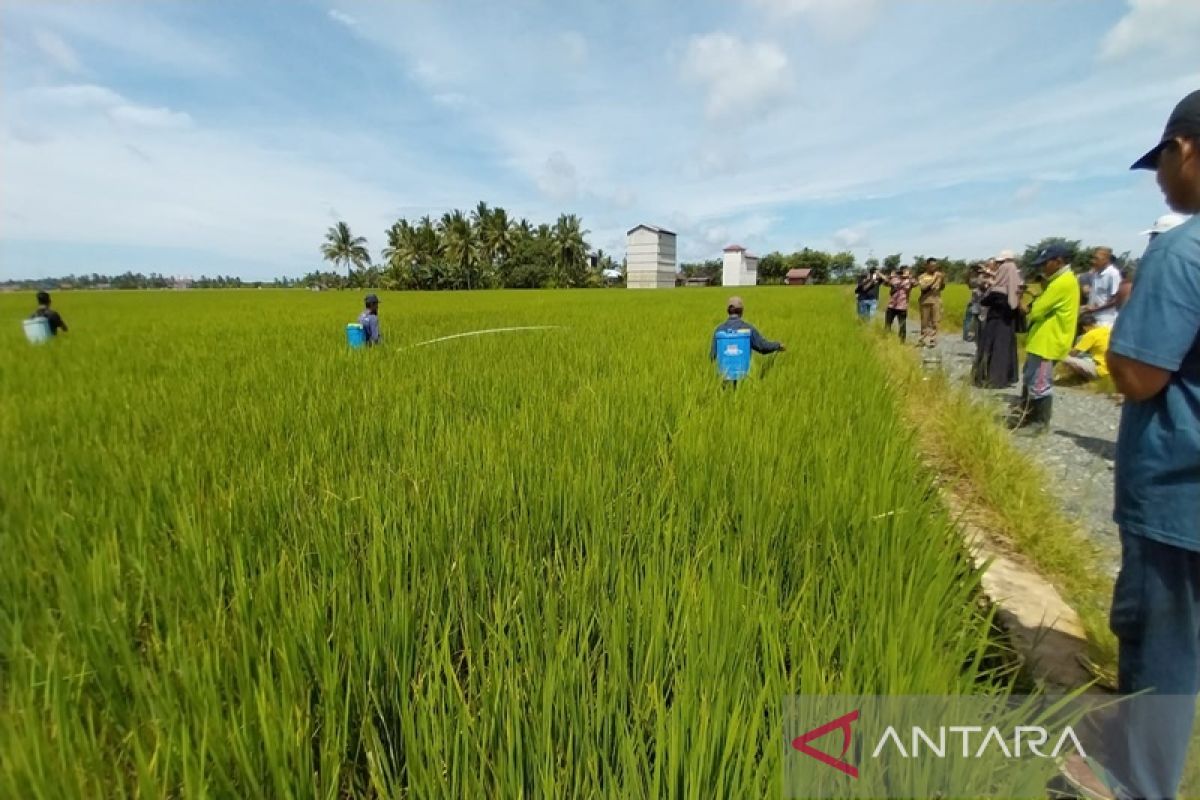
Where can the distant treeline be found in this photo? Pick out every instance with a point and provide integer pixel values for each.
(486, 249)
(843, 267)
(136, 280)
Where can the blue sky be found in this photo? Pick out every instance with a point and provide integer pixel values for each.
(225, 137)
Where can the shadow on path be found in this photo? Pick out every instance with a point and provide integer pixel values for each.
(1095, 445)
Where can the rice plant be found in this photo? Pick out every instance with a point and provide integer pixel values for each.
(241, 560)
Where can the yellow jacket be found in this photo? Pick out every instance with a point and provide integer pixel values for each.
(1053, 317)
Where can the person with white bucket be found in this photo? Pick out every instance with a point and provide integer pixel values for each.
(45, 322)
(734, 339)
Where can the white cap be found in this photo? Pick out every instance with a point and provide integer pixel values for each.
(1006, 255)
(1165, 223)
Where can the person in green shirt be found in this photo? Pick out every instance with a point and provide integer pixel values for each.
(1051, 319)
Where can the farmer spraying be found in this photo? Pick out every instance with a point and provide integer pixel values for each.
(54, 320)
(731, 340)
(369, 320)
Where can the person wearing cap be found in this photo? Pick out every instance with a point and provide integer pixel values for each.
(1154, 360)
(996, 353)
(1163, 224)
(758, 343)
(932, 282)
(901, 285)
(1052, 319)
(53, 319)
(369, 319)
(1106, 283)
(1089, 357)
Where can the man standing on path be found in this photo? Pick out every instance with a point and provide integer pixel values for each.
(1052, 319)
(867, 292)
(897, 307)
(1106, 282)
(932, 281)
(1154, 359)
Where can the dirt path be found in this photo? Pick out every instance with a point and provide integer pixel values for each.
(1077, 455)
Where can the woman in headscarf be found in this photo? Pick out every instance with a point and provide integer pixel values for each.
(996, 355)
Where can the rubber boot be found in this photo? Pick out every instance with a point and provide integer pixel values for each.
(1020, 414)
(1038, 422)
(1045, 408)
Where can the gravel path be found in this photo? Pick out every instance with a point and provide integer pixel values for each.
(1077, 455)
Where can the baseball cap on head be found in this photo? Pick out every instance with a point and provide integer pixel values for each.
(735, 304)
(1184, 121)
(371, 300)
(1165, 223)
(1050, 253)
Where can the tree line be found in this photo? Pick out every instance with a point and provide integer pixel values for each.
(843, 267)
(487, 249)
(139, 280)
(484, 248)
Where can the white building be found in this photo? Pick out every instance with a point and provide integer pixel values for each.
(650, 258)
(738, 267)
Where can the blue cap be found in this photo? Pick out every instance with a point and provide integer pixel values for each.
(1052, 252)
(372, 300)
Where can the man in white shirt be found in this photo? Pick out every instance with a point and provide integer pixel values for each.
(1106, 281)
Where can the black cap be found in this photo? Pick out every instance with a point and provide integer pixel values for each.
(372, 300)
(1052, 252)
(1184, 121)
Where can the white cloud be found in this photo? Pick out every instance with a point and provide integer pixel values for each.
(838, 19)
(559, 180)
(1165, 27)
(125, 29)
(342, 18)
(55, 48)
(1026, 194)
(740, 77)
(575, 47)
(149, 117)
(75, 96)
(851, 238)
(91, 98)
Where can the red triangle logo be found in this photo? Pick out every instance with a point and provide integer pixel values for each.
(843, 724)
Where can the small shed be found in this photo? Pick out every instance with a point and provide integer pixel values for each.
(798, 277)
(738, 267)
(650, 258)
(698, 280)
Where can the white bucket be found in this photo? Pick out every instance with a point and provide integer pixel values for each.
(37, 330)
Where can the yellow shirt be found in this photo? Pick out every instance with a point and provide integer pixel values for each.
(1095, 344)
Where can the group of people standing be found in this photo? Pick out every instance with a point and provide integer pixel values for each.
(900, 285)
(1069, 322)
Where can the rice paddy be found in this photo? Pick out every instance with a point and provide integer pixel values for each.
(241, 560)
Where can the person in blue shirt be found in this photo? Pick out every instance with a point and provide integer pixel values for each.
(369, 319)
(1154, 360)
(758, 343)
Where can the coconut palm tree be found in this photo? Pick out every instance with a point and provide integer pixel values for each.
(398, 256)
(496, 235)
(460, 247)
(570, 251)
(344, 249)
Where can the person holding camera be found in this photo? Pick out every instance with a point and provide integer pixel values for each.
(867, 292)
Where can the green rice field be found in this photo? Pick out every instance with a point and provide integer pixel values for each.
(238, 559)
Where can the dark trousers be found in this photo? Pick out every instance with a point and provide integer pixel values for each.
(897, 314)
(1156, 618)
